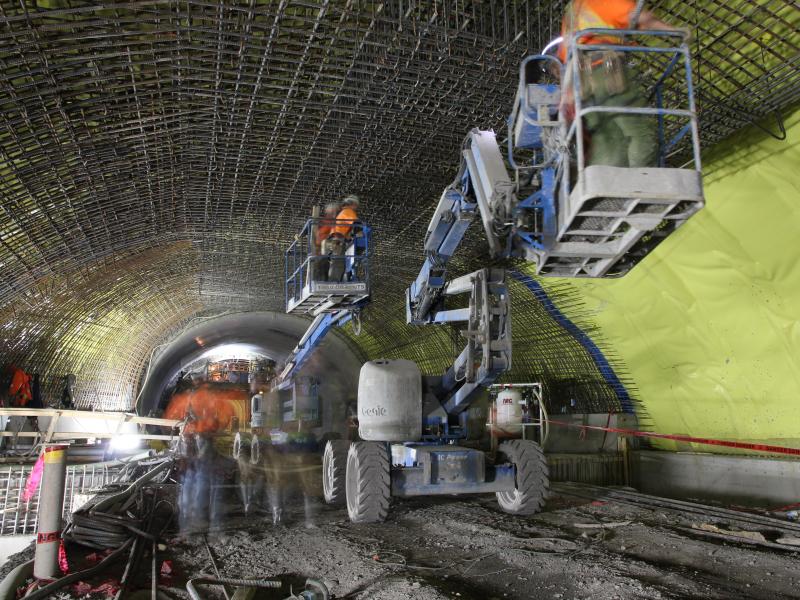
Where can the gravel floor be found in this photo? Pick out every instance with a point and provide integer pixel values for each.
(433, 548)
(590, 545)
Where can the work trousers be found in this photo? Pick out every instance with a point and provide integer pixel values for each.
(333, 249)
(619, 140)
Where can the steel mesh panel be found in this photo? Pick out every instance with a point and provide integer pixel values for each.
(156, 157)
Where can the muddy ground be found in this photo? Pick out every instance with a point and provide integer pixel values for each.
(586, 546)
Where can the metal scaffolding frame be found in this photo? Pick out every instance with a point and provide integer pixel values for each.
(20, 517)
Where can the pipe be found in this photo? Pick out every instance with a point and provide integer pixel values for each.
(12, 581)
(51, 507)
(154, 572)
(133, 560)
(259, 583)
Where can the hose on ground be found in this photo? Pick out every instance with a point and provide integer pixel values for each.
(259, 583)
(9, 585)
(77, 576)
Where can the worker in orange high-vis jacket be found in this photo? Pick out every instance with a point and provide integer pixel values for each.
(341, 235)
(19, 391)
(607, 79)
(324, 231)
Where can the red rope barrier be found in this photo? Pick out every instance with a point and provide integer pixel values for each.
(686, 438)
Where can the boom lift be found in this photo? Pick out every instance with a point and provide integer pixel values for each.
(308, 291)
(331, 303)
(571, 220)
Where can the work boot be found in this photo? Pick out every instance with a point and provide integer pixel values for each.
(277, 515)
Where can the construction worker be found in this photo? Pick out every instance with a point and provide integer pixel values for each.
(293, 469)
(618, 140)
(324, 230)
(68, 393)
(19, 388)
(18, 392)
(341, 235)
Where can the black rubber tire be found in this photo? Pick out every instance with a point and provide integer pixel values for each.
(532, 477)
(368, 482)
(241, 439)
(255, 450)
(334, 469)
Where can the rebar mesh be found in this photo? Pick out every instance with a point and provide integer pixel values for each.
(156, 157)
(543, 350)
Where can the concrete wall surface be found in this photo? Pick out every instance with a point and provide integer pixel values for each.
(751, 481)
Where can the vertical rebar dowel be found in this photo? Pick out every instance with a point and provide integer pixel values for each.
(51, 505)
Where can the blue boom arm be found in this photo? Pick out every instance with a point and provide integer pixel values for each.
(312, 338)
(450, 222)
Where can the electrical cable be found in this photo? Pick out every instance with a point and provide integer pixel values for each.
(45, 591)
(258, 583)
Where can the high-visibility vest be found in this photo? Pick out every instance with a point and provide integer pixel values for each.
(324, 230)
(20, 389)
(344, 221)
(594, 14)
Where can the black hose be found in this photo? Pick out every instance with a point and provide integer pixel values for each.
(73, 577)
(133, 561)
(259, 583)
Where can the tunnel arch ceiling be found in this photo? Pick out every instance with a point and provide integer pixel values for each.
(335, 364)
(157, 157)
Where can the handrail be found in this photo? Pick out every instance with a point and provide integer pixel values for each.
(117, 419)
(88, 414)
(576, 46)
(301, 253)
(631, 32)
(518, 103)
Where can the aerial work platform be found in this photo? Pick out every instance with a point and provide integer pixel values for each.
(609, 216)
(309, 289)
(332, 286)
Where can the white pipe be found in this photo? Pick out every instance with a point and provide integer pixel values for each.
(51, 506)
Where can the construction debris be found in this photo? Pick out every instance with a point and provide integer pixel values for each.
(601, 525)
(749, 535)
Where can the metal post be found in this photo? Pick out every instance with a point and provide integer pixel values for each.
(51, 505)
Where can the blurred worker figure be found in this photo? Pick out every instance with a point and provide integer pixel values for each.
(67, 401)
(36, 392)
(187, 467)
(607, 79)
(322, 244)
(340, 237)
(19, 393)
(351, 421)
(36, 398)
(251, 479)
(206, 474)
(202, 492)
(293, 471)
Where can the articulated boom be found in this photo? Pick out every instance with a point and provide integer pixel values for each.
(570, 217)
(487, 353)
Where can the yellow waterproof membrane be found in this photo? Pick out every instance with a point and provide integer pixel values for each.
(708, 324)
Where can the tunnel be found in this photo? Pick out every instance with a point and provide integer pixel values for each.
(400, 299)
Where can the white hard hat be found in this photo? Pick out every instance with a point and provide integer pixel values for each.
(351, 200)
